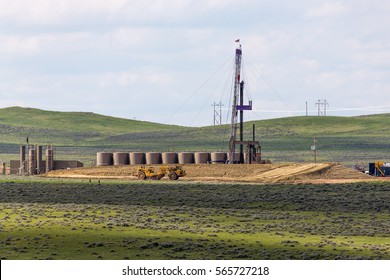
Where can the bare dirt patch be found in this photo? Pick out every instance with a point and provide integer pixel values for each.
(265, 173)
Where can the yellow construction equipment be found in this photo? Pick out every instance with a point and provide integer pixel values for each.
(148, 172)
(143, 173)
(173, 172)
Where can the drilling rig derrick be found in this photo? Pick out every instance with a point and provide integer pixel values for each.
(252, 147)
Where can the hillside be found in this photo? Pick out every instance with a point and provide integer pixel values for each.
(340, 139)
(66, 128)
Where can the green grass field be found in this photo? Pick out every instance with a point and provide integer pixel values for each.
(75, 219)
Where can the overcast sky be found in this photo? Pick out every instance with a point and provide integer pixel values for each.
(167, 61)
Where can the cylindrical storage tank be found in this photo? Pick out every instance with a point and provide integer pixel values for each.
(153, 158)
(104, 159)
(186, 158)
(201, 158)
(40, 167)
(137, 158)
(236, 157)
(218, 158)
(121, 158)
(169, 158)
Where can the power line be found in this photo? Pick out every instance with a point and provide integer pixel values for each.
(196, 91)
(269, 85)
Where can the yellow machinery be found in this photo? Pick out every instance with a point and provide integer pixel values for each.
(378, 167)
(173, 173)
(148, 173)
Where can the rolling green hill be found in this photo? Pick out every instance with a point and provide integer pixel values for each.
(76, 134)
(65, 128)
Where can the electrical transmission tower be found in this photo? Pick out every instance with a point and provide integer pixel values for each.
(322, 104)
(217, 113)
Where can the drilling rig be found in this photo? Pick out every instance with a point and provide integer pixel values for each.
(253, 149)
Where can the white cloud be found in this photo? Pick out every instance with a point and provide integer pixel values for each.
(136, 11)
(326, 9)
(56, 11)
(108, 80)
(112, 54)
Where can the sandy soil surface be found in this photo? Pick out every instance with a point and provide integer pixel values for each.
(256, 173)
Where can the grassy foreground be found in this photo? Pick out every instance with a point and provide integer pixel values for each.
(51, 219)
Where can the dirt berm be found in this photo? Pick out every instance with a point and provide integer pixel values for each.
(256, 173)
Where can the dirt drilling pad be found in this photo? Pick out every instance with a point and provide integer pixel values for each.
(263, 173)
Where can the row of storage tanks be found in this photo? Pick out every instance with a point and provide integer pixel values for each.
(133, 158)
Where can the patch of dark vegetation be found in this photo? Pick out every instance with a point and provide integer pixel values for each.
(358, 197)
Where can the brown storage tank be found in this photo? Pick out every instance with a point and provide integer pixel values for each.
(218, 158)
(169, 158)
(236, 157)
(186, 158)
(40, 166)
(153, 158)
(137, 158)
(104, 159)
(121, 159)
(202, 158)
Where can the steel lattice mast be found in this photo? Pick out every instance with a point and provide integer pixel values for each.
(237, 78)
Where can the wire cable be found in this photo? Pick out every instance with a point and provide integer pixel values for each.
(268, 84)
(224, 75)
(196, 91)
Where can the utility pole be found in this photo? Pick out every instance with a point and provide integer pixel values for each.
(306, 108)
(314, 149)
(217, 113)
